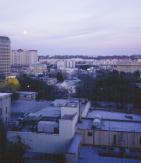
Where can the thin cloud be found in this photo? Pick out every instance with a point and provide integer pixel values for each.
(70, 25)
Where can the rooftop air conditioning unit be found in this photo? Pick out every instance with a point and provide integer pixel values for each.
(97, 123)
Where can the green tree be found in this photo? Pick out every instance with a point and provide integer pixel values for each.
(120, 88)
(60, 77)
(15, 151)
(3, 140)
(47, 92)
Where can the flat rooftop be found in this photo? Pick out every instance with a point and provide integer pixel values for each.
(107, 115)
(90, 155)
(121, 126)
(85, 124)
(22, 106)
(4, 94)
(5, 38)
(26, 92)
(106, 125)
(49, 111)
(66, 102)
(68, 117)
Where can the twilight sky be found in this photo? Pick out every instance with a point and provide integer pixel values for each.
(90, 27)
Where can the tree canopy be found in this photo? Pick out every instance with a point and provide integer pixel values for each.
(118, 87)
(44, 91)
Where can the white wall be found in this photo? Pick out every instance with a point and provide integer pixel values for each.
(105, 138)
(124, 139)
(69, 110)
(42, 142)
(67, 127)
(48, 143)
(85, 111)
(71, 158)
(24, 57)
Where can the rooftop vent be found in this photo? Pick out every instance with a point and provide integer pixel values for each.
(97, 123)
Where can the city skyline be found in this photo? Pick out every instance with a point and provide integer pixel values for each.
(104, 27)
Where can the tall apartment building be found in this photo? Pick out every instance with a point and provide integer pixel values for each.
(4, 56)
(24, 57)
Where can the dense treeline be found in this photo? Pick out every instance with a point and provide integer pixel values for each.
(121, 88)
(44, 91)
(133, 57)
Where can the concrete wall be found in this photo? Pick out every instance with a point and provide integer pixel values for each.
(24, 57)
(105, 138)
(85, 111)
(71, 158)
(48, 143)
(123, 139)
(5, 104)
(68, 127)
(42, 142)
(128, 68)
(87, 140)
(69, 110)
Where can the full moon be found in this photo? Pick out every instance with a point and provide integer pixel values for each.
(25, 32)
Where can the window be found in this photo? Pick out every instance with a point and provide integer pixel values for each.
(56, 130)
(114, 139)
(140, 141)
(90, 133)
(6, 109)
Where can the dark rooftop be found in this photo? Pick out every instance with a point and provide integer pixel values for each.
(5, 38)
(68, 117)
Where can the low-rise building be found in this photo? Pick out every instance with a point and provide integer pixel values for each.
(51, 129)
(37, 69)
(61, 126)
(104, 128)
(130, 66)
(24, 95)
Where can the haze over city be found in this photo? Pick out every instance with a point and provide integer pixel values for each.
(87, 27)
(70, 81)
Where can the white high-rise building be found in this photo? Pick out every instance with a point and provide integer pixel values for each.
(24, 57)
(4, 56)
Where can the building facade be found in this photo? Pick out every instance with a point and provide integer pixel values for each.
(111, 129)
(5, 104)
(37, 69)
(24, 57)
(66, 63)
(4, 56)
